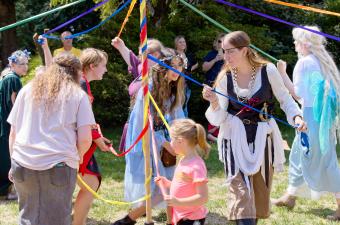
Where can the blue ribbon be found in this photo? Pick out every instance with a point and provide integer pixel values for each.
(91, 29)
(214, 90)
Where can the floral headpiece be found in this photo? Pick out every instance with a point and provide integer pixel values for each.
(14, 58)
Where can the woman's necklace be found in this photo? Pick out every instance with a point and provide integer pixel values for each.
(250, 85)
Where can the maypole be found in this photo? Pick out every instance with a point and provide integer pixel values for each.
(145, 83)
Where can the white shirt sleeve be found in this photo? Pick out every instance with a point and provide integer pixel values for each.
(218, 116)
(287, 103)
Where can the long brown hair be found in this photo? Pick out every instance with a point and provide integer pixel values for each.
(164, 90)
(58, 82)
(191, 131)
(240, 39)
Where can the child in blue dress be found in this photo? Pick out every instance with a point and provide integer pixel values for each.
(167, 88)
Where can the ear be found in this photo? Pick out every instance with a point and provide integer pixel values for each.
(245, 51)
(92, 66)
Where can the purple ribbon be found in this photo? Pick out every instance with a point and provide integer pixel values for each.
(277, 19)
(75, 18)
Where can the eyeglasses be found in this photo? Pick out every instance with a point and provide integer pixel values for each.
(230, 51)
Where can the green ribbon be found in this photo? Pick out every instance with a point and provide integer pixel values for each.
(39, 16)
(217, 24)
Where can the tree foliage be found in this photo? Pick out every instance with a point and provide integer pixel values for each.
(168, 18)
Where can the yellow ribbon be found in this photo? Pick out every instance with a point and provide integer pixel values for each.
(159, 111)
(302, 7)
(132, 5)
(96, 195)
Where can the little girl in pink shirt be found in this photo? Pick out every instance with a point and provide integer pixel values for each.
(188, 189)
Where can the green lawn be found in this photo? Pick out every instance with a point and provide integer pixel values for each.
(306, 211)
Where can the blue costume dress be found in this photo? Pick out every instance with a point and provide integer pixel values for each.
(134, 171)
(317, 166)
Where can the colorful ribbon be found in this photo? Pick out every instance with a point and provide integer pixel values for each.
(77, 17)
(217, 92)
(159, 112)
(132, 5)
(96, 195)
(277, 19)
(39, 16)
(145, 129)
(93, 28)
(303, 7)
(217, 24)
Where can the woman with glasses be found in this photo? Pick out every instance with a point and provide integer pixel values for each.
(167, 88)
(190, 64)
(316, 85)
(249, 143)
(10, 85)
(213, 61)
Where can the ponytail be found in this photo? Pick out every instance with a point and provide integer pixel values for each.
(193, 132)
(201, 140)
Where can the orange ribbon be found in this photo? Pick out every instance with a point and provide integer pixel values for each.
(132, 5)
(303, 7)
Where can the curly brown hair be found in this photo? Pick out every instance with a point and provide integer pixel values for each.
(164, 90)
(58, 82)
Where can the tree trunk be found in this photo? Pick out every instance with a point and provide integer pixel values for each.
(8, 38)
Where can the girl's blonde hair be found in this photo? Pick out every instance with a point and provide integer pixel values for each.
(240, 39)
(316, 45)
(163, 90)
(59, 82)
(191, 131)
(92, 56)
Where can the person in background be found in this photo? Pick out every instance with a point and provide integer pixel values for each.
(213, 61)
(190, 64)
(67, 45)
(10, 85)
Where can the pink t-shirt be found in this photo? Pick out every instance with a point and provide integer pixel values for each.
(187, 175)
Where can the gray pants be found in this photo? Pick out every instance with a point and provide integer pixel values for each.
(45, 197)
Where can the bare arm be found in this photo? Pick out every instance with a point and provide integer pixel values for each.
(11, 140)
(281, 66)
(13, 97)
(84, 140)
(123, 50)
(47, 52)
(207, 65)
(194, 67)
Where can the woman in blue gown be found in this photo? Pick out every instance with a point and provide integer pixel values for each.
(167, 88)
(313, 167)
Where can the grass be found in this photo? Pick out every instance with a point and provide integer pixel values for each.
(306, 211)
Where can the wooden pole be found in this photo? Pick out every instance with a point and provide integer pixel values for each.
(146, 138)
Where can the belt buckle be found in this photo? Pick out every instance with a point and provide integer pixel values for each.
(246, 121)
